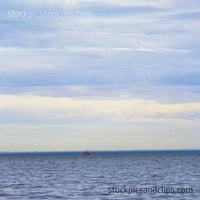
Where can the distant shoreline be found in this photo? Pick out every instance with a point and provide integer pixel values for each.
(97, 152)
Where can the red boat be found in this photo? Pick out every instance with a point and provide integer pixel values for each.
(86, 153)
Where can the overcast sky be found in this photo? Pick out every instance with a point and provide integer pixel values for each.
(99, 75)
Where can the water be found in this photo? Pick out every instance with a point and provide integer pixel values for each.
(73, 176)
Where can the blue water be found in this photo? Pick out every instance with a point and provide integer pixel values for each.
(73, 176)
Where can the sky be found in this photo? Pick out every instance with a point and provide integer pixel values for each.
(99, 75)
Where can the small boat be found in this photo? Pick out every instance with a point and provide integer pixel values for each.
(86, 153)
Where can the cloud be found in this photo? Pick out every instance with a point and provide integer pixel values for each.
(68, 110)
(132, 67)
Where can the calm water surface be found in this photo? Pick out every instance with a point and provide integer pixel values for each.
(73, 176)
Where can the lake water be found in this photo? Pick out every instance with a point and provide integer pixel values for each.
(101, 176)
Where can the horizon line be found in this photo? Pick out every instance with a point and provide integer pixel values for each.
(100, 151)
